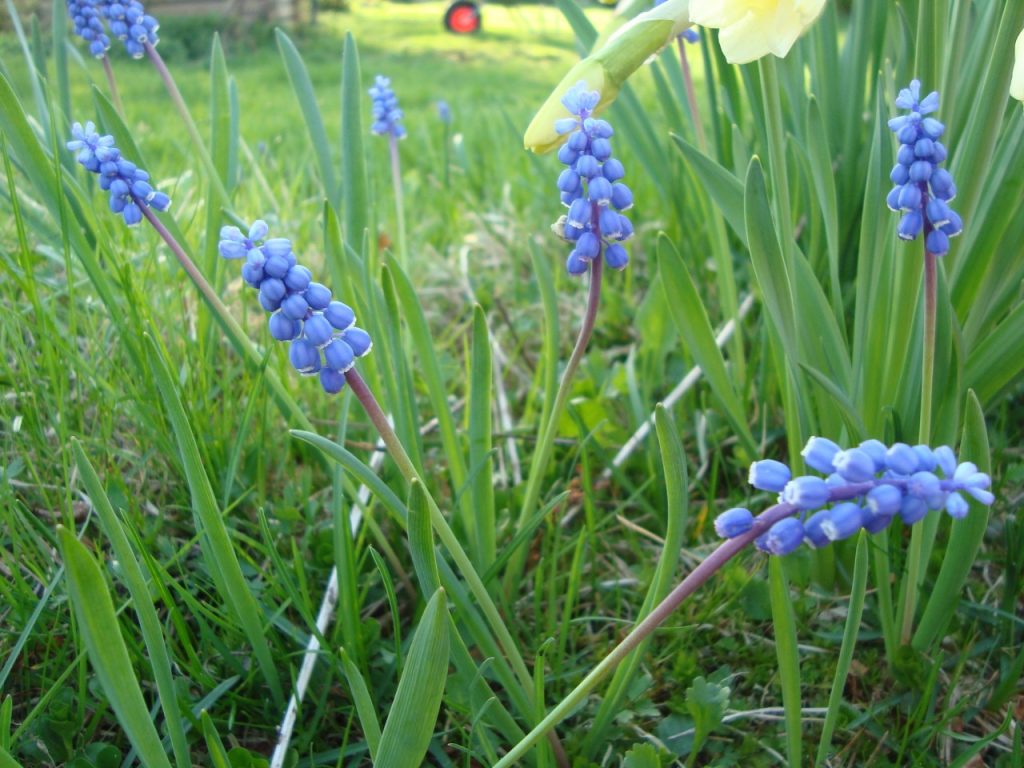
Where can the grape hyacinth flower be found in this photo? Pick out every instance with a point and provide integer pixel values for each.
(87, 18)
(444, 112)
(865, 488)
(129, 187)
(385, 110)
(323, 335)
(130, 23)
(923, 189)
(127, 21)
(590, 187)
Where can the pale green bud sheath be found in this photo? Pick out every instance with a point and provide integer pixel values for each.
(608, 67)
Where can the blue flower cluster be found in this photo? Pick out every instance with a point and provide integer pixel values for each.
(923, 189)
(444, 112)
(128, 21)
(129, 187)
(868, 486)
(87, 18)
(590, 186)
(386, 112)
(322, 332)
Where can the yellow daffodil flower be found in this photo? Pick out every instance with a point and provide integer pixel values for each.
(751, 29)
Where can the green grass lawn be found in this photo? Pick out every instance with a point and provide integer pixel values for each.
(479, 210)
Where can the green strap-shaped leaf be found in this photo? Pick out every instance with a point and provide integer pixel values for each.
(362, 473)
(853, 614)
(218, 754)
(674, 472)
(356, 213)
(430, 370)
(410, 723)
(421, 540)
(142, 602)
(989, 369)
(302, 87)
(482, 489)
(97, 621)
(6, 761)
(364, 704)
(723, 187)
(215, 542)
(692, 321)
(820, 162)
(767, 260)
(786, 651)
(585, 32)
(964, 536)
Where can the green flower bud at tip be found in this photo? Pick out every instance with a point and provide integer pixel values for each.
(609, 67)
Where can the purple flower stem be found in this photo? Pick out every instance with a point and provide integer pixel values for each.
(727, 550)
(546, 444)
(179, 103)
(448, 539)
(915, 554)
(396, 183)
(115, 96)
(183, 258)
(691, 96)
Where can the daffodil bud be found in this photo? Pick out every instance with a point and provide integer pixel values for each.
(608, 67)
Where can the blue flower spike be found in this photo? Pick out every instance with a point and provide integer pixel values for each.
(590, 187)
(87, 18)
(127, 21)
(322, 333)
(872, 484)
(444, 112)
(385, 111)
(130, 24)
(128, 185)
(923, 190)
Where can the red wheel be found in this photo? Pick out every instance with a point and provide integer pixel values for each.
(462, 17)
